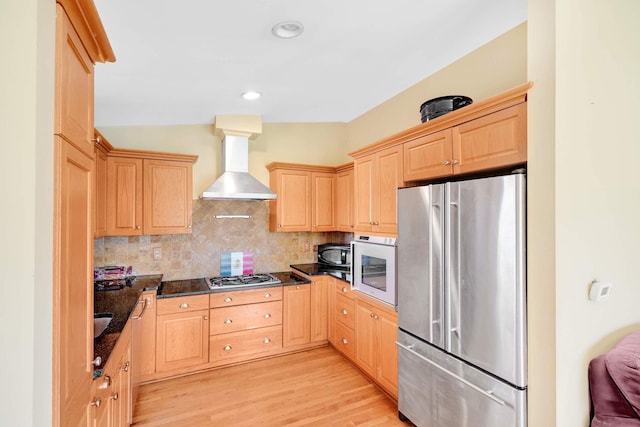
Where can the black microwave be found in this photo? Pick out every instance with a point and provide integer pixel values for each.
(334, 255)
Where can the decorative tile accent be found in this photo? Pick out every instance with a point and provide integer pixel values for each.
(187, 256)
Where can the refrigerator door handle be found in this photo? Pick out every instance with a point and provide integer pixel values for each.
(486, 393)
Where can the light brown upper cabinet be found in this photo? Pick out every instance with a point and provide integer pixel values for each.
(74, 87)
(377, 177)
(149, 195)
(305, 197)
(344, 198)
(496, 140)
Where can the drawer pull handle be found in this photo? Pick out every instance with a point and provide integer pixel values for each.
(266, 341)
(344, 311)
(228, 321)
(228, 299)
(267, 315)
(267, 295)
(96, 403)
(227, 347)
(344, 341)
(114, 396)
(184, 305)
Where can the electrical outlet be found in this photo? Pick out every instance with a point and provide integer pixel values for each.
(306, 246)
(157, 253)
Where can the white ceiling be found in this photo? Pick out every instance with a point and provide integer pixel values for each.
(184, 62)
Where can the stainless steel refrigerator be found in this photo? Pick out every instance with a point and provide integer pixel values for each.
(462, 353)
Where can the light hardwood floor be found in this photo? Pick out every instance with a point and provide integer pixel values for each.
(313, 388)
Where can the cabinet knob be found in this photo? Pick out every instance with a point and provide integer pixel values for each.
(125, 367)
(228, 299)
(454, 161)
(97, 361)
(371, 315)
(267, 315)
(96, 403)
(106, 382)
(206, 317)
(267, 295)
(189, 226)
(227, 347)
(279, 225)
(446, 162)
(184, 305)
(114, 396)
(344, 311)
(344, 289)
(375, 316)
(96, 140)
(297, 287)
(228, 321)
(138, 227)
(344, 341)
(266, 341)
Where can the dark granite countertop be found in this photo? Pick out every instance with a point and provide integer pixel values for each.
(120, 303)
(316, 269)
(178, 288)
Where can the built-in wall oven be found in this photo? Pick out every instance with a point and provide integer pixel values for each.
(373, 267)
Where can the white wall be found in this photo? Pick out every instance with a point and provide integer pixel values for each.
(585, 59)
(26, 226)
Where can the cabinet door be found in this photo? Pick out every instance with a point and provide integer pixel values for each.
(344, 201)
(73, 278)
(74, 87)
(120, 397)
(100, 195)
(323, 190)
(389, 168)
(182, 340)
(296, 318)
(319, 308)
(365, 186)
(365, 338)
(428, 157)
(167, 197)
(291, 211)
(124, 196)
(147, 344)
(495, 140)
(387, 352)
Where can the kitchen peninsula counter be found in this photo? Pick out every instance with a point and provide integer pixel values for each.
(315, 269)
(120, 303)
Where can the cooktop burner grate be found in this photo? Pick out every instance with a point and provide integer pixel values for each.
(244, 280)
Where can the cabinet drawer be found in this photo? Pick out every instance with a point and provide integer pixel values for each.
(344, 289)
(244, 345)
(227, 299)
(345, 311)
(182, 304)
(243, 317)
(345, 340)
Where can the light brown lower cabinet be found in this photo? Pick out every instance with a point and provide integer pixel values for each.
(296, 329)
(182, 333)
(111, 393)
(365, 331)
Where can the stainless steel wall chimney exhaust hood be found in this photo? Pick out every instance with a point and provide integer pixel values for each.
(235, 181)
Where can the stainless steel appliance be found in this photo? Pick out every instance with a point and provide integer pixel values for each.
(241, 281)
(373, 267)
(462, 303)
(334, 255)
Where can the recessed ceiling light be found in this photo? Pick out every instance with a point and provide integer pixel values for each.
(287, 29)
(251, 95)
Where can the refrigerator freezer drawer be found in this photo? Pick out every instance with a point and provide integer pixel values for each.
(437, 390)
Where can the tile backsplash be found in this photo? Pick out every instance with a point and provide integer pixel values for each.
(186, 256)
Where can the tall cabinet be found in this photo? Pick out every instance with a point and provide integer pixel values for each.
(80, 42)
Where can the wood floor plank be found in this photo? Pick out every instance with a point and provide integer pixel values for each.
(312, 388)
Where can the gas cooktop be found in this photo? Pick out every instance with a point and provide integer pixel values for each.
(244, 280)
